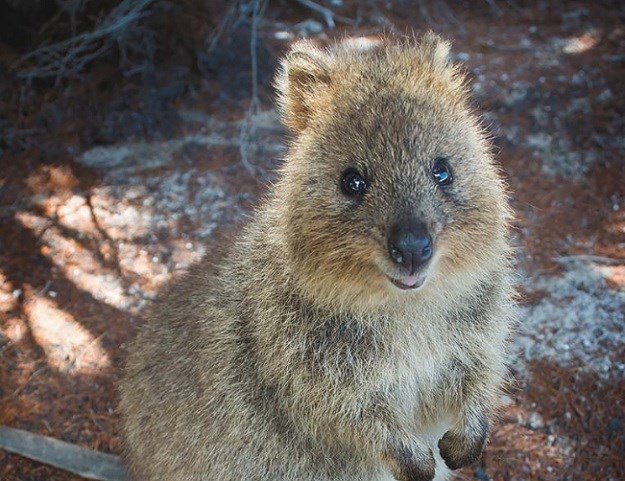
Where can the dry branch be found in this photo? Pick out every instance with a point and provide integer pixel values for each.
(247, 134)
(68, 57)
(84, 462)
(328, 15)
(590, 258)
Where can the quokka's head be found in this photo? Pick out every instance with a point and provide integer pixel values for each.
(389, 186)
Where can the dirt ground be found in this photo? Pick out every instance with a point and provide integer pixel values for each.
(113, 183)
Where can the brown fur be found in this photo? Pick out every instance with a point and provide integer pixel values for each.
(298, 359)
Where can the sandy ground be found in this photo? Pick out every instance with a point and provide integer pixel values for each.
(96, 216)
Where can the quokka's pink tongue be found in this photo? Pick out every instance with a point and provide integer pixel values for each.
(411, 281)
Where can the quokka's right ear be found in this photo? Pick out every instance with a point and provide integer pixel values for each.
(304, 72)
(437, 50)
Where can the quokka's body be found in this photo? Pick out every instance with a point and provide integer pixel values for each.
(356, 329)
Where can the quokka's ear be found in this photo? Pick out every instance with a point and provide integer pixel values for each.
(359, 44)
(303, 73)
(436, 49)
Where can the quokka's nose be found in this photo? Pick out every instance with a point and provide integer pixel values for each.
(409, 245)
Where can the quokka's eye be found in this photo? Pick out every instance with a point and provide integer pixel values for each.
(353, 184)
(442, 172)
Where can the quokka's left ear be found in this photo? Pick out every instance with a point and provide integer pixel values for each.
(304, 72)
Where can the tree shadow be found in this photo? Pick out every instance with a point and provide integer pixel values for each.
(39, 247)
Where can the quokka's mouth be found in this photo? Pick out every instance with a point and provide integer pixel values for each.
(411, 282)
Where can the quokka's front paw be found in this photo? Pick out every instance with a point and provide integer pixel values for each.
(411, 463)
(462, 448)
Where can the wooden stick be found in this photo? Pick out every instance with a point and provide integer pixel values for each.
(590, 258)
(84, 462)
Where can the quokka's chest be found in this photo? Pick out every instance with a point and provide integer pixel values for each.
(430, 368)
(415, 358)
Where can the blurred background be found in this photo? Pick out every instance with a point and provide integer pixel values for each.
(133, 131)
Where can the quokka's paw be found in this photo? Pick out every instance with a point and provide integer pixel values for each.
(411, 463)
(462, 448)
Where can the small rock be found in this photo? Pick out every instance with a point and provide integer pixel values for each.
(615, 425)
(615, 204)
(580, 105)
(283, 35)
(578, 79)
(605, 96)
(535, 421)
(480, 474)
(309, 27)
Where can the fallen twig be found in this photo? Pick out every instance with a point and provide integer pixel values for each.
(328, 15)
(590, 258)
(248, 127)
(68, 57)
(84, 462)
(227, 20)
(33, 375)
